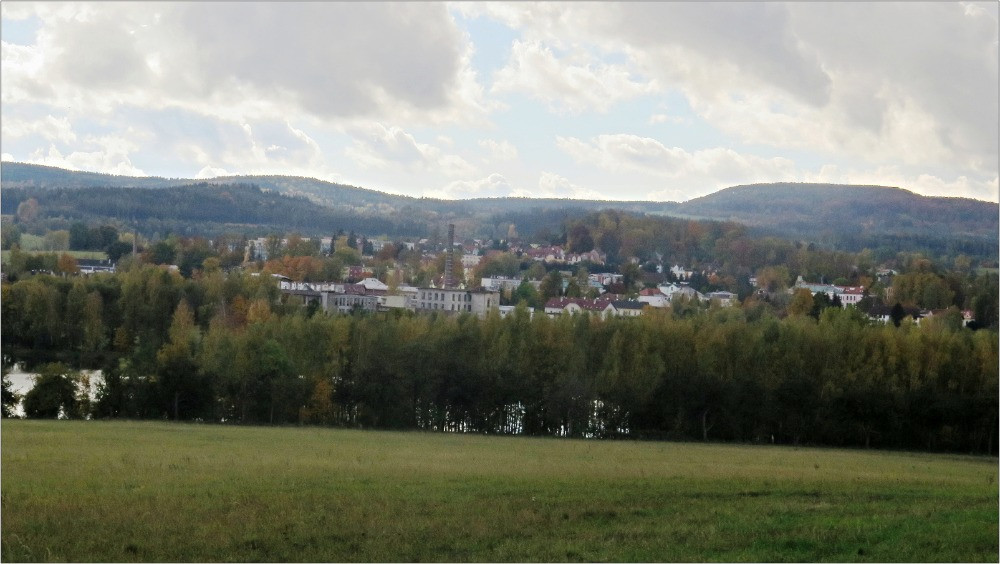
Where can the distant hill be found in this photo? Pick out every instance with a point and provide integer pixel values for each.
(330, 194)
(838, 216)
(849, 216)
(201, 209)
(24, 175)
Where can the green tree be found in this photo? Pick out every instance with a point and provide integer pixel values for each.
(53, 394)
(10, 234)
(573, 289)
(79, 237)
(551, 286)
(57, 240)
(580, 240)
(802, 302)
(897, 314)
(527, 294)
(8, 397)
(177, 372)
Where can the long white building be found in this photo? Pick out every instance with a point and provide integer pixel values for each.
(455, 301)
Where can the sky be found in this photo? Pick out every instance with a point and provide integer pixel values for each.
(595, 100)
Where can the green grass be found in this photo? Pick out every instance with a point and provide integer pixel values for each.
(35, 244)
(99, 255)
(126, 491)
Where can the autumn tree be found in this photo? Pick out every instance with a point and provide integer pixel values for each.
(177, 371)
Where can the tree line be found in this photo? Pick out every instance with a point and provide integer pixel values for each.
(230, 348)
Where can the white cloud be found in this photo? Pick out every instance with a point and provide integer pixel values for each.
(551, 185)
(567, 85)
(492, 186)
(109, 154)
(874, 82)
(499, 150)
(378, 146)
(387, 96)
(676, 171)
(624, 152)
(48, 128)
(330, 61)
(664, 118)
(211, 172)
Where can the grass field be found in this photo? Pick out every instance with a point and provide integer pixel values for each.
(99, 255)
(127, 491)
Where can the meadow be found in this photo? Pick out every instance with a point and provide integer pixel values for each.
(151, 491)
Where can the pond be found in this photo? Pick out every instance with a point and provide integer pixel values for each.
(22, 382)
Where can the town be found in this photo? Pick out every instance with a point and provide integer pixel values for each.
(569, 287)
(379, 275)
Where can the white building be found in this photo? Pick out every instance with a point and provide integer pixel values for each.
(502, 283)
(680, 272)
(454, 301)
(470, 260)
(851, 295)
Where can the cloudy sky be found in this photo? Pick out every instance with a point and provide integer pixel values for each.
(647, 101)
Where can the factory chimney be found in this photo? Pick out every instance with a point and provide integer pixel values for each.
(449, 257)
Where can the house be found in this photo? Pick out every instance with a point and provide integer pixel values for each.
(606, 278)
(848, 295)
(725, 299)
(883, 313)
(653, 297)
(558, 306)
(592, 256)
(592, 284)
(626, 308)
(851, 295)
(509, 310)
(680, 272)
(603, 306)
(545, 254)
(500, 283)
(357, 273)
(829, 289)
(966, 315)
(470, 260)
(884, 275)
(675, 291)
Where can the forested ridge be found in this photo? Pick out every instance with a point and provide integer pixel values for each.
(200, 209)
(838, 217)
(226, 348)
(851, 218)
